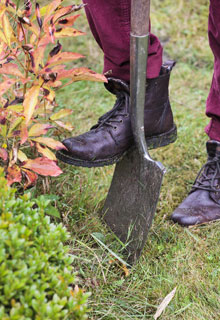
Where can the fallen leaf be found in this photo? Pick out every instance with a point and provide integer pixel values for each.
(164, 304)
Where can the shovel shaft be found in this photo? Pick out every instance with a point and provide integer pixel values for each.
(140, 13)
(140, 10)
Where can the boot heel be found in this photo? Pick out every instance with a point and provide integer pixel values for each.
(163, 139)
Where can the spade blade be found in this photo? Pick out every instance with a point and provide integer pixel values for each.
(132, 199)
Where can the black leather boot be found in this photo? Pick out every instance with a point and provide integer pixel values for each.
(111, 137)
(203, 202)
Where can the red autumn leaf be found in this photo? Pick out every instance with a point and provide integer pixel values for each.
(68, 32)
(50, 142)
(63, 57)
(3, 154)
(39, 129)
(31, 178)
(69, 21)
(43, 166)
(30, 102)
(13, 174)
(11, 68)
(5, 85)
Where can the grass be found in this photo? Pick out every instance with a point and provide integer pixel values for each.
(173, 256)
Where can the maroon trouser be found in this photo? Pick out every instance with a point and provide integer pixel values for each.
(109, 21)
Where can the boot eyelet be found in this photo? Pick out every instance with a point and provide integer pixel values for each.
(115, 128)
(121, 121)
(127, 115)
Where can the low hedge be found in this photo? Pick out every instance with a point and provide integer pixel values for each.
(36, 276)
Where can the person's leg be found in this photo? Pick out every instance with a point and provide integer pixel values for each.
(110, 24)
(213, 101)
(203, 202)
(110, 138)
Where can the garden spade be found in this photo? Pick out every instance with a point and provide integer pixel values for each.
(133, 195)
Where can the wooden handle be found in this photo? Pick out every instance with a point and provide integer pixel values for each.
(140, 12)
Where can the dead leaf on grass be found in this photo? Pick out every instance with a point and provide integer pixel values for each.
(164, 304)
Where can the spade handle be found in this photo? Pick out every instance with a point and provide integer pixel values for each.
(140, 12)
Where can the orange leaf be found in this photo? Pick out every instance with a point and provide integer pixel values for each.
(50, 9)
(43, 166)
(31, 178)
(38, 55)
(4, 86)
(3, 154)
(61, 114)
(63, 57)
(65, 11)
(46, 152)
(13, 174)
(39, 129)
(68, 32)
(77, 74)
(11, 68)
(69, 21)
(51, 143)
(30, 102)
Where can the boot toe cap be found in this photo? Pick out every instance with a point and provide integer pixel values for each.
(185, 218)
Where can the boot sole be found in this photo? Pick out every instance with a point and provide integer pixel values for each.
(153, 142)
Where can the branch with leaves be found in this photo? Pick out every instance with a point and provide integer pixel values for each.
(29, 79)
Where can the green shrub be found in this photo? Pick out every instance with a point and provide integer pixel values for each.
(35, 268)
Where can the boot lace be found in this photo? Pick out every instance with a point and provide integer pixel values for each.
(207, 176)
(121, 108)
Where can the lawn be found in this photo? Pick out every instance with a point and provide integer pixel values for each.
(185, 258)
